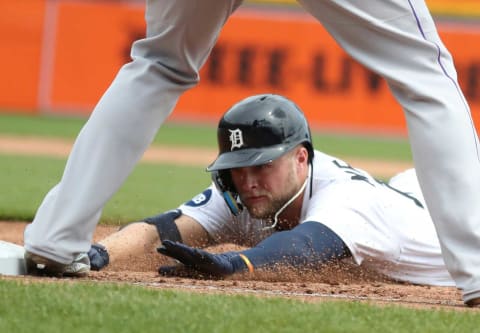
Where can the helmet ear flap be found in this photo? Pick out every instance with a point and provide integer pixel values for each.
(223, 182)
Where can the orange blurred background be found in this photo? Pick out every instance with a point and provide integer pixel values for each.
(60, 56)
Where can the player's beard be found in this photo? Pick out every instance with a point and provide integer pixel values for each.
(268, 209)
(267, 212)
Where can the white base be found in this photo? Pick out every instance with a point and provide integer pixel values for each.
(12, 261)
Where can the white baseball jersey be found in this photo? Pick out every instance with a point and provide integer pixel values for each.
(386, 227)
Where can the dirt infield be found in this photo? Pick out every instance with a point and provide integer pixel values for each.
(349, 283)
(342, 283)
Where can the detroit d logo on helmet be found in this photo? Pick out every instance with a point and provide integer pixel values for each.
(236, 138)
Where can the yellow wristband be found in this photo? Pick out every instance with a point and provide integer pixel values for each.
(247, 262)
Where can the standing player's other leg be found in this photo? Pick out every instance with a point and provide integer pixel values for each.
(180, 36)
(398, 40)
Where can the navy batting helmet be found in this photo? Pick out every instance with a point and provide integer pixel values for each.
(255, 131)
(258, 130)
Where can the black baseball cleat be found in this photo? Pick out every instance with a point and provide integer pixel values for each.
(40, 266)
(473, 303)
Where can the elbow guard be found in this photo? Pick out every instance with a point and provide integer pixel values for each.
(166, 226)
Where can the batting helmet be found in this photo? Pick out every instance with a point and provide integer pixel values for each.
(255, 131)
(258, 130)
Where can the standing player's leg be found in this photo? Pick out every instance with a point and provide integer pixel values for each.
(398, 40)
(180, 36)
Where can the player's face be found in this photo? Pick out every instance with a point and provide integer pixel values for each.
(265, 188)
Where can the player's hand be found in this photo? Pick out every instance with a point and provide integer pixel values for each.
(216, 265)
(98, 256)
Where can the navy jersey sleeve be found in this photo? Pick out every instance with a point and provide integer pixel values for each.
(307, 245)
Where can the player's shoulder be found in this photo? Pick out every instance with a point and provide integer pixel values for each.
(329, 170)
(322, 159)
(325, 165)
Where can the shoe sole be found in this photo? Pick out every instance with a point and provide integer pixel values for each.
(39, 266)
(473, 303)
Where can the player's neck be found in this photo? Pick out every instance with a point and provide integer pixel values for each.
(290, 217)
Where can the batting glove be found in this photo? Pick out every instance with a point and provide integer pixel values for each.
(98, 256)
(215, 265)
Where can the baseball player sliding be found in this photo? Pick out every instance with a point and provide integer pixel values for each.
(293, 206)
(396, 39)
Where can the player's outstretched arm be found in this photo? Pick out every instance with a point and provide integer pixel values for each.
(131, 241)
(307, 245)
(140, 238)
